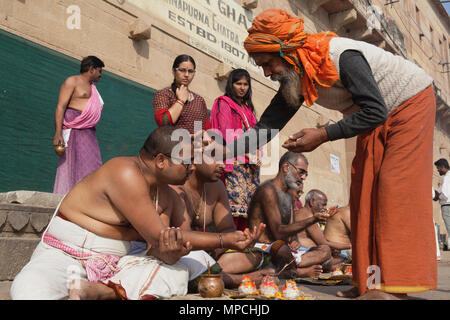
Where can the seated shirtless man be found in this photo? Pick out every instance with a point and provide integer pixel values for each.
(312, 236)
(98, 218)
(272, 205)
(208, 210)
(337, 230)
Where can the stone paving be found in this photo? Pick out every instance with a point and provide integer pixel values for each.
(329, 292)
(25, 214)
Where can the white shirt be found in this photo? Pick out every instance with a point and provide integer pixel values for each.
(444, 191)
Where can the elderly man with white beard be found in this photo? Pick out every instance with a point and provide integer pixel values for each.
(391, 108)
(273, 205)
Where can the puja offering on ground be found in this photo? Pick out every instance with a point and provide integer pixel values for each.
(290, 290)
(268, 286)
(247, 286)
(347, 270)
(211, 285)
(337, 271)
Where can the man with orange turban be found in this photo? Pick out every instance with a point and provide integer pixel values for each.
(392, 111)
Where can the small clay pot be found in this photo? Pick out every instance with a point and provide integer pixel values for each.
(60, 149)
(211, 285)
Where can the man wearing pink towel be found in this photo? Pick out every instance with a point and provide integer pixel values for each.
(77, 113)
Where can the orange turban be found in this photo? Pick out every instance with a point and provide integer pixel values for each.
(275, 30)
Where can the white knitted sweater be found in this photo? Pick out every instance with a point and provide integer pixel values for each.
(398, 79)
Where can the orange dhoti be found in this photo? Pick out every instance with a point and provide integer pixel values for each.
(393, 240)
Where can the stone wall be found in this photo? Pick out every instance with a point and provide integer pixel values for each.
(24, 216)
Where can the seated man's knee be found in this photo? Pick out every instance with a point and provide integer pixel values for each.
(282, 256)
(29, 286)
(37, 284)
(238, 262)
(327, 251)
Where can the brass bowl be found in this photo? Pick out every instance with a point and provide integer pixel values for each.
(60, 149)
(211, 286)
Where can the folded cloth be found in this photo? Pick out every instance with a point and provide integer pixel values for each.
(99, 267)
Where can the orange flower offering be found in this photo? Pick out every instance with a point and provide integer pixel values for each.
(268, 286)
(348, 271)
(247, 286)
(337, 271)
(333, 210)
(290, 290)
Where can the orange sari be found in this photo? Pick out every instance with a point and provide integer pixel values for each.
(393, 236)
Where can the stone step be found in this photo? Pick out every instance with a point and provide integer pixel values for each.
(14, 255)
(21, 228)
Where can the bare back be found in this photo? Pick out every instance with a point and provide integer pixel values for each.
(338, 227)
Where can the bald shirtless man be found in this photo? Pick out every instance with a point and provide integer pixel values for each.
(208, 210)
(272, 205)
(312, 236)
(95, 222)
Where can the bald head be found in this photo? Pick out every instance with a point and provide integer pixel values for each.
(291, 157)
(160, 141)
(315, 195)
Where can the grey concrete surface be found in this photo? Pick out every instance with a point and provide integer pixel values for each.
(329, 292)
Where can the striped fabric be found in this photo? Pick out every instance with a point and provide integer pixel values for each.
(99, 267)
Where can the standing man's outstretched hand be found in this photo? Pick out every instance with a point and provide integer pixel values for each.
(306, 140)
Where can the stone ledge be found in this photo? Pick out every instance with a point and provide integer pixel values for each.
(31, 198)
(21, 220)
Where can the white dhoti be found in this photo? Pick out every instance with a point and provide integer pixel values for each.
(145, 277)
(196, 261)
(50, 271)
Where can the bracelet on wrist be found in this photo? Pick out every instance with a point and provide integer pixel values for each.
(181, 102)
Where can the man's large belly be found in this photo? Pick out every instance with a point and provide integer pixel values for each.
(108, 226)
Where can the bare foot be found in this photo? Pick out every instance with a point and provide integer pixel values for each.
(85, 290)
(310, 272)
(381, 295)
(352, 293)
(233, 281)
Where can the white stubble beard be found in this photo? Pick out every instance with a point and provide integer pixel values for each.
(290, 86)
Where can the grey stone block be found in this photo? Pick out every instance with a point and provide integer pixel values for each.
(23, 221)
(31, 198)
(18, 220)
(39, 221)
(3, 216)
(14, 255)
